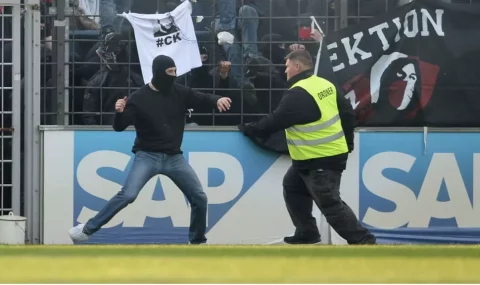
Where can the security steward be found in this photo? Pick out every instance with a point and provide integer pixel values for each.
(317, 145)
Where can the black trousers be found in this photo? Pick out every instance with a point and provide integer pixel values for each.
(302, 188)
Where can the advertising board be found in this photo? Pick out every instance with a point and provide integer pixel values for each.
(418, 188)
(84, 169)
(407, 187)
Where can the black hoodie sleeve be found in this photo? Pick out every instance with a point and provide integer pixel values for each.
(347, 118)
(296, 108)
(194, 98)
(124, 119)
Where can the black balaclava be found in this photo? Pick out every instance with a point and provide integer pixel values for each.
(274, 52)
(160, 79)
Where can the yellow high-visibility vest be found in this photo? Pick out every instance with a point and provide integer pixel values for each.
(322, 138)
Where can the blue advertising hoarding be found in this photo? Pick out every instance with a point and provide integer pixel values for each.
(405, 188)
(416, 191)
(228, 163)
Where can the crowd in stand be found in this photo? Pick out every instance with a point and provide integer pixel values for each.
(104, 63)
(250, 70)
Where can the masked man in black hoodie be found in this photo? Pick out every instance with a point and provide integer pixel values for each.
(157, 110)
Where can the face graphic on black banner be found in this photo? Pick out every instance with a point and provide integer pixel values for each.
(401, 84)
(397, 88)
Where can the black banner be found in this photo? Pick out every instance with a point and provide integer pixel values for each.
(418, 65)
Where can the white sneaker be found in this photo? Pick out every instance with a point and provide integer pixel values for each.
(77, 234)
(225, 38)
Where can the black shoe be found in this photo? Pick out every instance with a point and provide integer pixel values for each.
(197, 242)
(302, 239)
(369, 241)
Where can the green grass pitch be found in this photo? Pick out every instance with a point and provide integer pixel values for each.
(239, 264)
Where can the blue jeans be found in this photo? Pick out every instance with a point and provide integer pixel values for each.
(145, 166)
(226, 20)
(247, 27)
(108, 14)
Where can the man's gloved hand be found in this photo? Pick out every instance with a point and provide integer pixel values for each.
(245, 128)
(241, 127)
(349, 137)
(350, 147)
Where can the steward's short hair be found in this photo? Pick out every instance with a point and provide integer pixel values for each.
(302, 56)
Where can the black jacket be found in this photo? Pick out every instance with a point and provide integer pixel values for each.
(159, 118)
(298, 107)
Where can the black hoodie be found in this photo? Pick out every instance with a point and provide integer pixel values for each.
(159, 117)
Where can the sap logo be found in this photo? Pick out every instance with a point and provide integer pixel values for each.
(173, 205)
(416, 208)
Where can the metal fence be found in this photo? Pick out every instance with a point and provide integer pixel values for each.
(71, 63)
(10, 111)
(19, 117)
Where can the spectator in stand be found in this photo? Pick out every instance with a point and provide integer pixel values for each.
(105, 88)
(211, 81)
(110, 29)
(269, 84)
(269, 72)
(288, 16)
(236, 26)
(311, 44)
(272, 47)
(84, 15)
